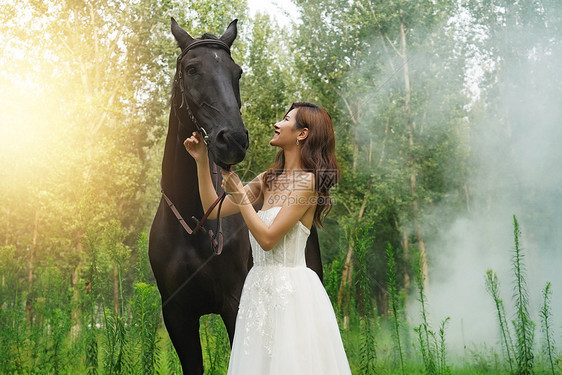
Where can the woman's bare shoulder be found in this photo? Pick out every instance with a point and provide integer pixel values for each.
(305, 180)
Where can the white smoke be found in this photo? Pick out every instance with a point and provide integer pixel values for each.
(517, 157)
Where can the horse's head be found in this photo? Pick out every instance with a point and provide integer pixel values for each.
(207, 92)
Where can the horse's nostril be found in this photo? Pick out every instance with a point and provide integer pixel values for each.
(233, 139)
(221, 136)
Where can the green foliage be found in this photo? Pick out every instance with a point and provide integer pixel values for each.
(115, 347)
(363, 242)
(143, 270)
(394, 304)
(173, 365)
(432, 346)
(145, 307)
(485, 360)
(546, 326)
(265, 90)
(91, 350)
(424, 331)
(332, 278)
(524, 326)
(216, 344)
(59, 322)
(441, 347)
(492, 286)
(81, 185)
(12, 335)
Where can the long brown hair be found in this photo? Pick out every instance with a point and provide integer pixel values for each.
(318, 154)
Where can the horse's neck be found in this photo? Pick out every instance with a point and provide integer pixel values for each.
(179, 172)
(168, 161)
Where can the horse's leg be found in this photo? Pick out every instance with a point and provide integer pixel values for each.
(184, 333)
(229, 319)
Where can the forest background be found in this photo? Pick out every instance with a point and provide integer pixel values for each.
(447, 116)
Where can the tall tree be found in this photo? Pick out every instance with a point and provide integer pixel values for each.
(265, 90)
(390, 75)
(327, 47)
(80, 155)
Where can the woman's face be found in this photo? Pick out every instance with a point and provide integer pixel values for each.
(285, 131)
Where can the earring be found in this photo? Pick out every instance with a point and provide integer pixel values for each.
(297, 142)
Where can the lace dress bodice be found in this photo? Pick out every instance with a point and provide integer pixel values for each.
(289, 252)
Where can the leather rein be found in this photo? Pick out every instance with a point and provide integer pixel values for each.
(215, 237)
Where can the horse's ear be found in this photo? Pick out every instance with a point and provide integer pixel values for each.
(182, 37)
(230, 33)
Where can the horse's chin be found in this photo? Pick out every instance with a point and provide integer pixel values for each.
(228, 160)
(223, 165)
(226, 164)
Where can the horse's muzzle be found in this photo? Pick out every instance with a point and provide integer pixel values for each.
(230, 147)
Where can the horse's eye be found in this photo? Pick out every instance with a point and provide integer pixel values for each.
(191, 70)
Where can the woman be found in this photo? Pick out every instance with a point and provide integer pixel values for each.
(285, 323)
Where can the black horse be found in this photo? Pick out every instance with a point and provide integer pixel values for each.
(192, 279)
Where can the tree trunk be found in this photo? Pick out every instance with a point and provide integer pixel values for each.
(405, 244)
(410, 127)
(347, 273)
(345, 285)
(344, 297)
(466, 196)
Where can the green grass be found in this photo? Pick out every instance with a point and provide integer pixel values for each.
(73, 354)
(134, 340)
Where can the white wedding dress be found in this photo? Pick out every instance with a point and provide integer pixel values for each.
(286, 324)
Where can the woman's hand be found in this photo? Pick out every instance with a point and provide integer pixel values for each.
(196, 147)
(232, 185)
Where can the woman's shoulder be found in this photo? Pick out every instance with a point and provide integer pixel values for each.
(305, 179)
(259, 178)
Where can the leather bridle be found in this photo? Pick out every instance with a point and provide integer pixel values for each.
(179, 81)
(216, 237)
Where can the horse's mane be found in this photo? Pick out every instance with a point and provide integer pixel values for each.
(209, 36)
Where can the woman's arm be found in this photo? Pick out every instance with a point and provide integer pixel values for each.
(253, 193)
(269, 236)
(198, 150)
